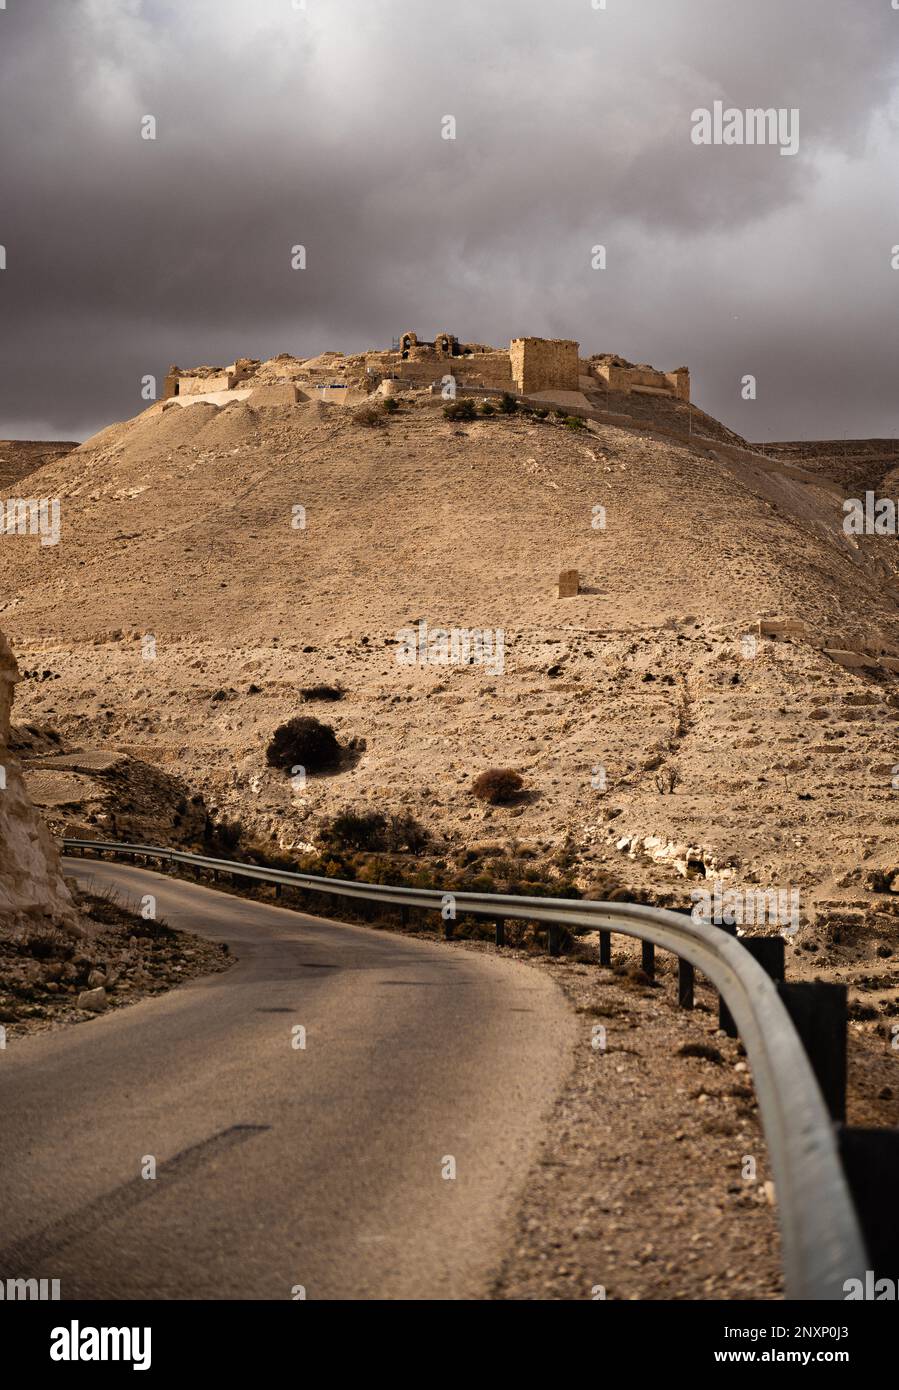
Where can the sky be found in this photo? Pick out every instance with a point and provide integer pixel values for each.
(322, 124)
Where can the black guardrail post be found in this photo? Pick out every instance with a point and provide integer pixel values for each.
(725, 1018)
(648, 959)
(500, 930)
(605, 947)
(819, 1015)
(686, 975)
(870, 1161)
(685, 979)
(554, 940)
(769, 952)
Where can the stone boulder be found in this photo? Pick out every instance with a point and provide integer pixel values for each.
(32, 891)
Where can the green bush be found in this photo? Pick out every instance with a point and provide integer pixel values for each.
(391, 405)
(507, 404)
(487, 408)
(462, 409)
(574, 422)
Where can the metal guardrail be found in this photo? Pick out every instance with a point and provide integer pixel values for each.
(822, 1243)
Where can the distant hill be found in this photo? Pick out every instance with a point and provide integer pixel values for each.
(19, 457)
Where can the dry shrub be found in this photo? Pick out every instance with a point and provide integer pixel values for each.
(370, 415)
(497, 785)
(303, 742)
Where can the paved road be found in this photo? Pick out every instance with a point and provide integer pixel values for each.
(280, 1167)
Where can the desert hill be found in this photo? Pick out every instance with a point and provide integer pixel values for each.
(180, 526)
(19, 457)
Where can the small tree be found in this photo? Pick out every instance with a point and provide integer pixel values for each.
(667, 778)
(507, 403)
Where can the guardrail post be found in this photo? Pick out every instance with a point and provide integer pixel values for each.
(404, 915)
(648, 959)
(870, 1160)
(769, 952)
(278, 887)
(605, 947)
(725, 1017)
(449, 927)
(685, 977)
(500, 928)
(819, 1016)
(554, 940)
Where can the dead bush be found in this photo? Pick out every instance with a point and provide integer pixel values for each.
(303, 742)
(323, 692)
(370, 415)
(497, 785)
(462, 409)
(667, 778)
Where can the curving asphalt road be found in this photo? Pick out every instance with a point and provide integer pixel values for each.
(280, 1167)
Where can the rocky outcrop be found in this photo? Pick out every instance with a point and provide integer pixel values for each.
(32, 891)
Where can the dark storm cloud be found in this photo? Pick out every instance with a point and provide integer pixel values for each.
(321, 126)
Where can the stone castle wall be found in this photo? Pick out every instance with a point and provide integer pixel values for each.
(644, 379)
(531, 366)
(539, 364)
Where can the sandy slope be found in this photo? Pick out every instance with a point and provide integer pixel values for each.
(179, 524)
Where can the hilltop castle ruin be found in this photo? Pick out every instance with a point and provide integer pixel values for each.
(549, 369)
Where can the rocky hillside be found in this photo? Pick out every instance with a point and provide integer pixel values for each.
(32, 891)
(217, 562)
